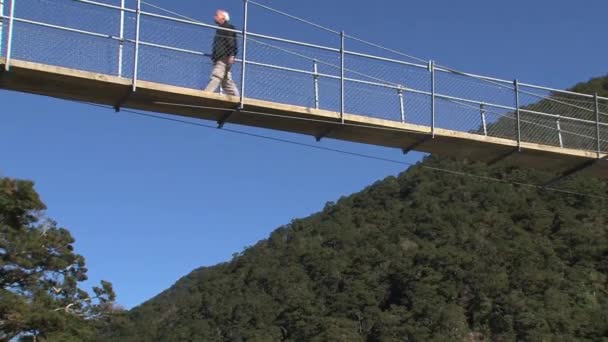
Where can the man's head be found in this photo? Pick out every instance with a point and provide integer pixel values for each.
(221, 17)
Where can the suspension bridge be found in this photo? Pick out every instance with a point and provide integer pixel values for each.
(132, 54)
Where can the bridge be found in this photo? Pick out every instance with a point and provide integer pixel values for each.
(133, 54)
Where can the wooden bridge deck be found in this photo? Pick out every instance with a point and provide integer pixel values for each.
(92, 87)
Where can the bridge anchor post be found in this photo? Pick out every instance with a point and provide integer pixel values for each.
(597, 122)
(244, 65)
(11, 25)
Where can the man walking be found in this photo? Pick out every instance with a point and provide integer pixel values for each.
(224, 53)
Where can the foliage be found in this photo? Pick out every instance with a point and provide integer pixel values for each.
(426, 256)
(39, 274)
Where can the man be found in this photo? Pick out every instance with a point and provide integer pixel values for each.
(224, 52)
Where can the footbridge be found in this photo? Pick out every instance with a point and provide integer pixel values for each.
(133, 54)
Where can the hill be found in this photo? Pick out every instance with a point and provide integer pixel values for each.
(425, 256)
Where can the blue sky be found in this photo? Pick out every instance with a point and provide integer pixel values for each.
(148, 200)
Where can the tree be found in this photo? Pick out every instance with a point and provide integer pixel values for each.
(40, 273)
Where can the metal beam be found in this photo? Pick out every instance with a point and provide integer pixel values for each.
(571, 172)
(325, 133)
(225, 117)
(518, 113)
(136, 54)
(11, 26)
(123, 99)
(503, 156)
(1, 24)
(244, 47)
(417, 144)
(342, 104)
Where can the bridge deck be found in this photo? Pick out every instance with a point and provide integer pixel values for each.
(92, 87)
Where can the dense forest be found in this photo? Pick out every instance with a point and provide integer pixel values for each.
(425, 256)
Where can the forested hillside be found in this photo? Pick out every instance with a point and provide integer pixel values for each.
(425, 256)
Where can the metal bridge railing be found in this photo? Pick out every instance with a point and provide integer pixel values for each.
(131, 39)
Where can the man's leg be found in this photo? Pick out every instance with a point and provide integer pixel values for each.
(217, 75)
(228, 84)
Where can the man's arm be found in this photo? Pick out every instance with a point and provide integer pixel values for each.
(234, 46)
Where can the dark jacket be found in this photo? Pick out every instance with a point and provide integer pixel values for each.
(224, 43)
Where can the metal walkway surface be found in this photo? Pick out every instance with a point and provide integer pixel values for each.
(128, 53)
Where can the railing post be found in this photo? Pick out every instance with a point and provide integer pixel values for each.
(597, 122)
(517, 112)
(121, 33)
(432, 70)
(315, 70)
(559, 133)
(137, 29)
(401, 104)
(342, 104)
(482, 111)
(11, 25)
(244, 65)
(1, 24)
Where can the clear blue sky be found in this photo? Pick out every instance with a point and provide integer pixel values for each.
(148, 201)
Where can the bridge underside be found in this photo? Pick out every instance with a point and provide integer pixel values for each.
(91, 87)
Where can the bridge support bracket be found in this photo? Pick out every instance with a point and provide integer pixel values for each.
(123, 99)
(417, 144)
(571, 172)
(324, 134)
(504, 156)
(222, 121)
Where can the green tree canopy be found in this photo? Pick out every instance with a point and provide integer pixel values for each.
(40, 273)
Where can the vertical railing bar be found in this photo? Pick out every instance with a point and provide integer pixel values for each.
(1, 25)
(11, 25)
(597, 122)
(244, 64)
(432, 70)
(342, 104)
(401, 104)
(137, 31)
(315, 69)
(121, 36)
(517, 111)
(559, 133)
(482, 109)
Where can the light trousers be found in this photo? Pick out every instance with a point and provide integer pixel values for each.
(222, 75)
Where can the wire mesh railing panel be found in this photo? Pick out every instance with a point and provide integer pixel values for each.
(579, 135)
(271, 84)
(173, 67)
(458, 116)
(4, 29)
(474, 89)
(603, 119)
(385, 72)
(500, 122)
(298, 30)
(329, 94)
(288, 55)
(540, 129)
(71, 14)
(372, 100)
(417, 108)
(177, 34)
(285, 73)
(555, 103)
(175, 53)
(65, 49)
